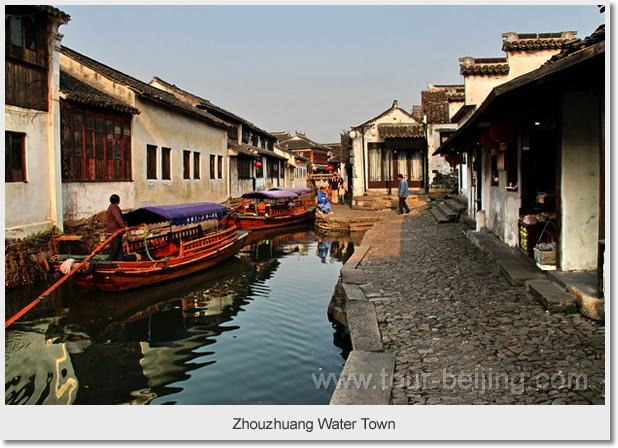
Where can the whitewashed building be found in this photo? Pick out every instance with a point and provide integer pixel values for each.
(252, 161)
(392, 143)
(524, 53)
(32, 188)
(537, 145)
(149, 147)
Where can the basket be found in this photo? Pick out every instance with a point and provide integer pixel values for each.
(545, 257)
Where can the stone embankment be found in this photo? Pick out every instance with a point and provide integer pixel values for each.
(455, 330)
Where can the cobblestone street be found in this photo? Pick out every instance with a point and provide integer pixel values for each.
(462, 334)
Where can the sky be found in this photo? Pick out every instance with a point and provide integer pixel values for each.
(313, 69)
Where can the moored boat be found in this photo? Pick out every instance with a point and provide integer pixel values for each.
(272, 208)
(150, 259)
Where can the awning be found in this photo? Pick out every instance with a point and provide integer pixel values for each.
(297, 190)
(271, 194)
(178, 214)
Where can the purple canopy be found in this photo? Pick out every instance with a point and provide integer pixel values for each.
(271, 194)
(178, 214)
(298, 190)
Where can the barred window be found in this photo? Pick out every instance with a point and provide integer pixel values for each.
(244, 168)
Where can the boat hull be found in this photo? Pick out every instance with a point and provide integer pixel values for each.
(253, 222)
(124, 275)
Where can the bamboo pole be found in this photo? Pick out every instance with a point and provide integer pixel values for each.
(66, 276)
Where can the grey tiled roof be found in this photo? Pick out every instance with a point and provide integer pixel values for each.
(206, 106)
(577, 45)
(142, 89)
(55, 12)
(75, 91)
(536, 42)
(299, 142)
(484, 66)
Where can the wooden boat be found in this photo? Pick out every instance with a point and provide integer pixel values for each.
(154, 259)
(272, 208)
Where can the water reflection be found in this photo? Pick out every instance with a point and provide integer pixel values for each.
(252, 330)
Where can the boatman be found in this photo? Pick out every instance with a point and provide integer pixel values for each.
(113, 223)
(403, 194)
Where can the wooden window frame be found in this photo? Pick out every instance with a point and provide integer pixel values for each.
(166, 163)
(151, 162)
(11, 172)
(220, 167)
(272, 170)
(244, 167)
(186, 164)
(96, 145)
(196, 165)
(213, 166)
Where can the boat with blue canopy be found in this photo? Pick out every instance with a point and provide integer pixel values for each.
(194, 242)
(277, 207)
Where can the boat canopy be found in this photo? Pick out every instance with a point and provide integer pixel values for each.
(271, 194)
(178, 214)
(299, 190)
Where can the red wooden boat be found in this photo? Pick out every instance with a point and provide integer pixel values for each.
(168, 256)
(269, 209)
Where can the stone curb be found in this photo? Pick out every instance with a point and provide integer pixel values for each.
(365, 379)
(367, 360)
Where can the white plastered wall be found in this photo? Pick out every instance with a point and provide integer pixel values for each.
(28, 205)
(579, 183)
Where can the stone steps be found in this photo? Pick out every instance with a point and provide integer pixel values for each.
(439, 217)
(450, 213)
(456, 205)
(554, 298)
(450, 209)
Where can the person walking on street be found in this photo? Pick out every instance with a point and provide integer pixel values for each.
(113, 223)
(333, 189)
(403, 195)
(341, 186)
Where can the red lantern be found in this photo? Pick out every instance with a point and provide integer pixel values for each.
(297, 161)
(330, 168)
(487, 141)
(257, 164)
(503, 130)
(454, 159)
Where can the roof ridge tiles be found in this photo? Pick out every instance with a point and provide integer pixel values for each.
(140, 87)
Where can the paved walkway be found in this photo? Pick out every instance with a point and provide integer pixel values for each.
(462, 334)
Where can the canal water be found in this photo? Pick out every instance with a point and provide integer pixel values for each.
(253, 330)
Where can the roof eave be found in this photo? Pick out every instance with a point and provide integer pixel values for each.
(500, 91)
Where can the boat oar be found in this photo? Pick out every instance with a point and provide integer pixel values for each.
(66, 276)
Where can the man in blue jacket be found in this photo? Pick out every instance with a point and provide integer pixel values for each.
(403, 194)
